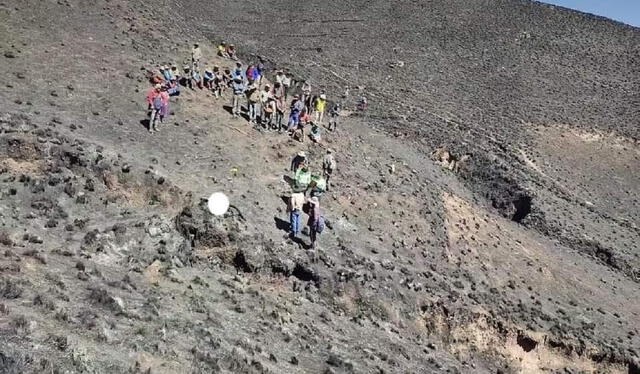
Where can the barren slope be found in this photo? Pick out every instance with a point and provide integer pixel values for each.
(109, 263)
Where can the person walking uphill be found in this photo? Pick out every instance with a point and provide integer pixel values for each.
(239, 89)
(328, 166)
(295, 212)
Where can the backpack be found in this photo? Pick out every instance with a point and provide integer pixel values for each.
(157, 102)
(320, 225)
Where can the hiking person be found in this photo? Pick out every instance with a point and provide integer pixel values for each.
(260, 70)
(218, 85)
(175, 72)
(196, 55)
(164, 107)
(315, 132)
(306, 93)
(298, 132)
(279, 115)
(228, 77)
(166, 73)
(253, 100)
(334, 115)
(320, 106)
(314, 221)
(286, 84)
(237, 72)
(196, 79)
(294, 114)
(298, 161)
(207, 79)
(269, 110)
(231, 52)
(174, 88)
(279, 76)
(278, 91)
(265, 95)
(296, 203)
(155, 103)
(362, 103)
(222, 50)
(328, 167)
(187, 79)
(251, 73)
(317, 185)
(239, 89)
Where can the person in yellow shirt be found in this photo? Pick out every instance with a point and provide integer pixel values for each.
(320, 106)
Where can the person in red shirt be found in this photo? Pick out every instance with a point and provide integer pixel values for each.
(155, 102)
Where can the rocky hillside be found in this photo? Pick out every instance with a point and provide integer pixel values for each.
(523, 259)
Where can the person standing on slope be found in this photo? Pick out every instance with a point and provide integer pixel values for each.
(239, 90)
(296, 203)
(315, 221)
(196, 55)
(320, 106)
(154, 102)
(328, 166)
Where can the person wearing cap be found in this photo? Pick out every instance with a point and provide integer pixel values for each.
(207, 79)
(196, 55)
(239, 90)
(298, 161)
(265, 97)
(334, 115)
(296, 203)
(328, 167)
(218, 82)
(314, 219)
(320, 106)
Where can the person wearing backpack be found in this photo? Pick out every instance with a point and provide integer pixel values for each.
(315, 222)
(328, 166)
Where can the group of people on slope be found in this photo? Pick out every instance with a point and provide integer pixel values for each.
(305, 181)
(266, 105)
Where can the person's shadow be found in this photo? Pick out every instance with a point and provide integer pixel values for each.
(243, 111)
(145, 123)
(282, 224)
(286, 227)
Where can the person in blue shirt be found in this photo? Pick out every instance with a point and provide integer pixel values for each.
(239, 88)
(208, 78)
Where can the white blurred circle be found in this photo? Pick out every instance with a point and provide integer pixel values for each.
(218, 203)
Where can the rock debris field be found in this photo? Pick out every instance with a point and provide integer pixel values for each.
(484, 215)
